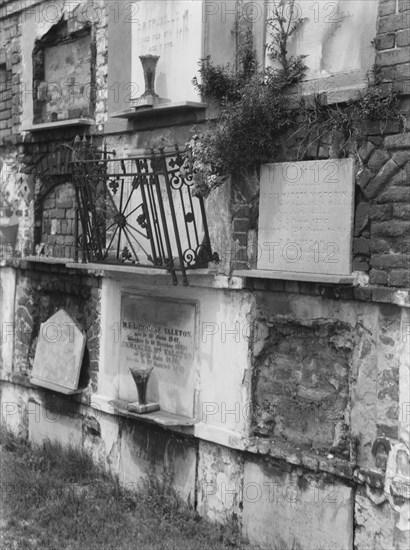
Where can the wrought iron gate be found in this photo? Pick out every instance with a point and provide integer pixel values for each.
(141, 211)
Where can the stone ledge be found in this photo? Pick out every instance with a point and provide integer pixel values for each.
(59, 124)
(161, 116)
(326, 289)
(117, 407)
(301, 457)
(291, 276)
(158, 110)
(102, 405)
(208, 278)
(48, 260)
(27, 381)
(263, 447)
(55, 387)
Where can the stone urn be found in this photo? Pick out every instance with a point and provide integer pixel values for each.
(141, 376)
(149, 65)
(149, 98)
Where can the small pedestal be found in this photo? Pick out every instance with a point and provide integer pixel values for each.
(141, 376)
(147, 101)
(142, 409)
(149, 98)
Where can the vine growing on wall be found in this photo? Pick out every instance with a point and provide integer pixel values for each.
(260, 111)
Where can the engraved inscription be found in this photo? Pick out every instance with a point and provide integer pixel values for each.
(171, 29)
(306, 217)
(159, 333)
(157, 346)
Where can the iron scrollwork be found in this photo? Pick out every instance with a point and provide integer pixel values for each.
(141, 212)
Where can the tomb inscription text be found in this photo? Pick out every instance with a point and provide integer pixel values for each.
(159, 333)
(306, 216)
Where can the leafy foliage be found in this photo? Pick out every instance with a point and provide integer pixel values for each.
(255, 109)
(260, 114)
(346, 124)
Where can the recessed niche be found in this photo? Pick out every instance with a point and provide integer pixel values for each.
(64, 73)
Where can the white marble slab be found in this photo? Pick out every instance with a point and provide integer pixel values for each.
(306, 217)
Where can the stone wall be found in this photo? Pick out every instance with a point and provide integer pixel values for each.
(42, 290)
(64, 72)
(327, 365)
(58, 222)
(10, 67)
(393, 44)
(382, 215)
(297, 398)
(6, 120)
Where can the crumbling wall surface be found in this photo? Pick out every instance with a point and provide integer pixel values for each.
(331, 380)
(40, 293)
(301, 389)
(16, 196)
(327, 374)
(66, 90)
(374, 525)
(287, 507)
(10, 69)
(220, 482)
(133, 452)
(58, 222)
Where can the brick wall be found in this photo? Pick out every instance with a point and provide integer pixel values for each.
(10, 70)
(381, 246)
(5, 101)
(64, 72)
(388, 168)
(40, 292)
(58, 222)
(393, 43)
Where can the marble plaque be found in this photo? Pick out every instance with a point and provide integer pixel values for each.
(59, 353)
(159, 333)
(306, 217)
(171, 29)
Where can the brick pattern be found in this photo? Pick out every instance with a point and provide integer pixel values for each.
(381, 219)
(370, 293)
(384, 210)
(6, 120)
(58, 222)
(393, 44)
(10, 70)
(381, 245)
(40, 293)
(64, 72)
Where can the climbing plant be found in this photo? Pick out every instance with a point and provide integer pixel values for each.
(260, 111)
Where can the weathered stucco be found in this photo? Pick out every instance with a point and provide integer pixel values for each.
(301, 395)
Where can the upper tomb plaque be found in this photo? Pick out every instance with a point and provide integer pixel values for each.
(173, 31)
(306, 217)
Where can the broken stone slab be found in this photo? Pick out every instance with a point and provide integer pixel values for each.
(59, 354)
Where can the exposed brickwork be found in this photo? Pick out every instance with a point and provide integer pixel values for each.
(392, 41)
(64, 72)
(40, 293)
(6, 120)
(304, 374)
(58, 222)
(10, 71)
(296, 397)
(382, 192)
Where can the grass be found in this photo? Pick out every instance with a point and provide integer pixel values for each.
(57, 498)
